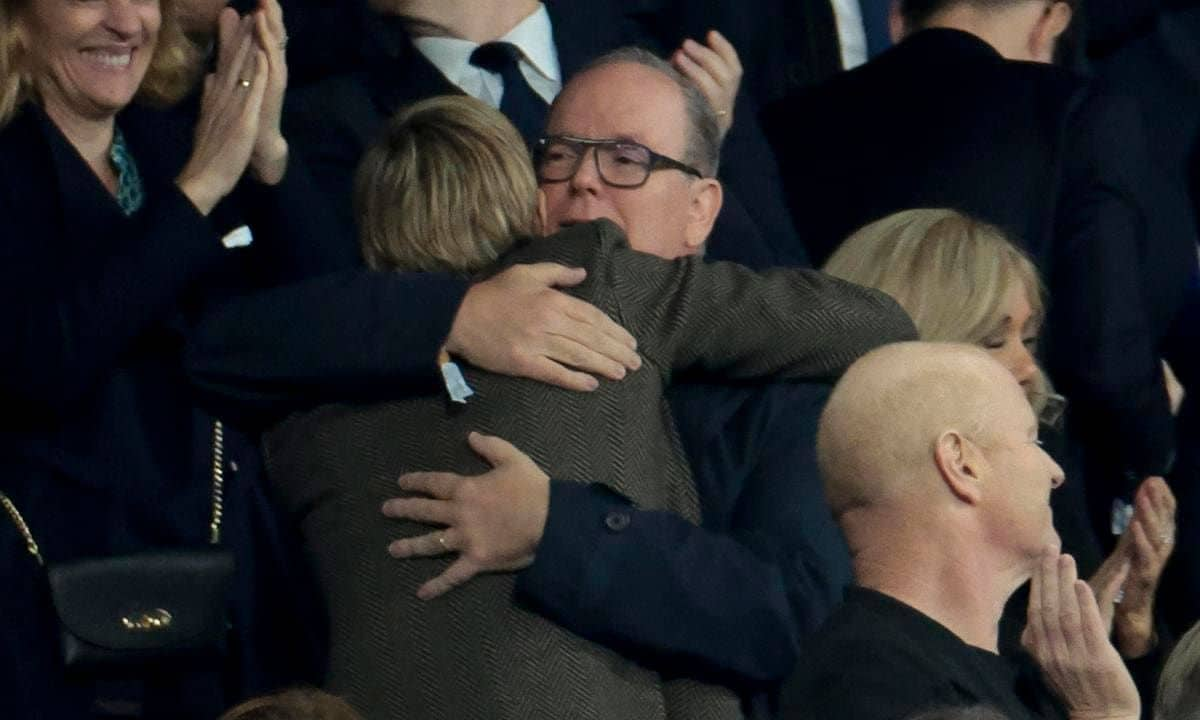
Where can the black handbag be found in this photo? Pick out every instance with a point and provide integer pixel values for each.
(165, 608)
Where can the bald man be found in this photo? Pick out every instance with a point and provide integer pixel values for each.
(932, 466)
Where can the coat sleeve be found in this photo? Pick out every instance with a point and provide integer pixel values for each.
(62, 335)
(1102, 352)
(723, 320)
(730, 599)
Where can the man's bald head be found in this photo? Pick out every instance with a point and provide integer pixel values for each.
(879, 429)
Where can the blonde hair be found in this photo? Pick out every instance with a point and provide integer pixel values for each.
(295, 704)
(448, 187)
(171, 75)
(950, 271)
(1178, 695)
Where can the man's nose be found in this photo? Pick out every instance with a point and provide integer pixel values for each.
(586, 177)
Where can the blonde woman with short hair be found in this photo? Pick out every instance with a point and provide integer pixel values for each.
(963, 280)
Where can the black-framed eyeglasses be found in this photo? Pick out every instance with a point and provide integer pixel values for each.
(620, 163)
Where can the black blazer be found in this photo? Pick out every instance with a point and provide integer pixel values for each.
(942, 120)
(333, 122)
(105, 448)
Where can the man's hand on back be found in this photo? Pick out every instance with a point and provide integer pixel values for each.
(517, 324)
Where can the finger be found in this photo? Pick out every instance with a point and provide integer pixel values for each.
(1051, 588)
(424, 510)
(428, 545)
(439, 485)
(234, 72)
(708, 85)
(256, 92)
(582, 357)
(227, 26)
(584, 312)
(725, 49)
(1092, 630)
(1035, 623)
(712, 63)
(460, 571)
(550, 274)
(545, 370)
(1069, 613)
(497, 451)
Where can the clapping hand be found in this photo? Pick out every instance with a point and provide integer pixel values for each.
(716, 70)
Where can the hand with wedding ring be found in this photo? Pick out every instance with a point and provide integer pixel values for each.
(494, 521)
(714, 68)
(228, 125)
(1147, 543)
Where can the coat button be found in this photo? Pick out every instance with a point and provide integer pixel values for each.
(617, 521)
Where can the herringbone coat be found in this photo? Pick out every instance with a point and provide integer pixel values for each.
(474, 653)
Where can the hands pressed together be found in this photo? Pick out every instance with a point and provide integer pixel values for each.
(240, 109)
(1127, 581)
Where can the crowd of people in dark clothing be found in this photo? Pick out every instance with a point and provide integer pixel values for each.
(663, 359)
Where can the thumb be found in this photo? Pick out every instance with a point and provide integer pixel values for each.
(497, 451)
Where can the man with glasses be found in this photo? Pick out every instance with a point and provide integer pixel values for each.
(629, 141)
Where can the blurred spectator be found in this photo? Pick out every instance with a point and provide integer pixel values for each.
(1044, 170)
(1179, 687)
(943, 433)
(296, 704)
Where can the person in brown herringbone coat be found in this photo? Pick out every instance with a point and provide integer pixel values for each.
(475, 653)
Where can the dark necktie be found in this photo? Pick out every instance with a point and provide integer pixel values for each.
(875, 23)
(525, 108)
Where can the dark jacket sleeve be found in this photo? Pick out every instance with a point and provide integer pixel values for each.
(731, 599)
(63, 335)
(1104, 354)
(723, 320)
(344, 336)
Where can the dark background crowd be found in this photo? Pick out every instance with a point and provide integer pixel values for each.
(267, 293)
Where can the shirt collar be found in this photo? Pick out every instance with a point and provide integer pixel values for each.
(534, 36)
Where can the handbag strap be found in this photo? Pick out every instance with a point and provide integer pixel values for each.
(218, 498)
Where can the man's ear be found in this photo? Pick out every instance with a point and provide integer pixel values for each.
(1043, 39)
(541, 213)
(959, 462)
(897, 28)
(706, 197)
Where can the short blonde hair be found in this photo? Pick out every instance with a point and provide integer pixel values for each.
(950, 271)
(1178, 695)
(295, 704)
(171, 75)
(448, 187)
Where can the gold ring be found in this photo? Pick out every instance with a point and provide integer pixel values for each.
(442, 541)
(244, 83)
(722, 113)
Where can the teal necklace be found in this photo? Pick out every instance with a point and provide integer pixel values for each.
(130, 194)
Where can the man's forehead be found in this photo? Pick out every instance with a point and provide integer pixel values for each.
(623, 101)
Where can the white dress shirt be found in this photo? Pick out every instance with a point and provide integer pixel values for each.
(539, 64)
(852, 35)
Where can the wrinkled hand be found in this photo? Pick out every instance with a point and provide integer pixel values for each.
(1147, 543)
(516, 323)
(269, 161)
(494, 521)
(228, 124)
(1067, 638)
(1108, 586)
(716, 70)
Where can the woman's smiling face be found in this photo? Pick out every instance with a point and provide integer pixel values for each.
(90, 56)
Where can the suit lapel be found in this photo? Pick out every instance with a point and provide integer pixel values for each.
(405, 74)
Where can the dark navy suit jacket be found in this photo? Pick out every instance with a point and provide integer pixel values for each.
(333, 122)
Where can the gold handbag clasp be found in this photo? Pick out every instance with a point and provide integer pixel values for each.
(149, 621)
